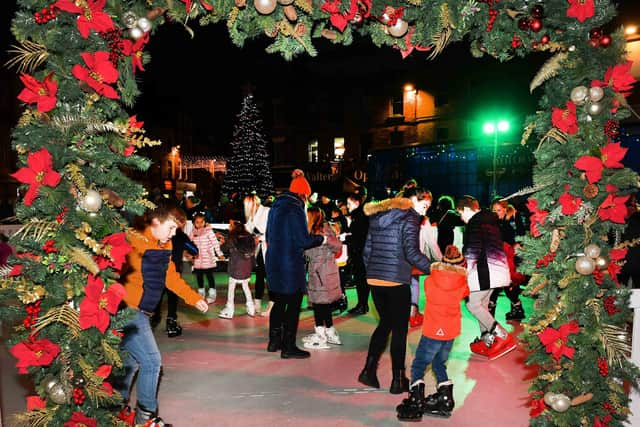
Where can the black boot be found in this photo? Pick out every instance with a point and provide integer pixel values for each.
(369, 375)
(173, 329)
(440, 404)
(399, 382)
(412, 407)
(275, 339)
(149, 418)
(516, 313)
(340, 305)
(359, 310)
(289, 348)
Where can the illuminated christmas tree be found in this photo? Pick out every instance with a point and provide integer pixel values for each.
(248, 168)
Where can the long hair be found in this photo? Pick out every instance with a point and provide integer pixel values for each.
(510, 211)
(251, 204)
(315, 220)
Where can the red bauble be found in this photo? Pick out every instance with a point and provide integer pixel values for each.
(594, 42)
(535, 25)
(523, 24)
(545, 39)
(605, 40)
(537, 11)
(595, 33)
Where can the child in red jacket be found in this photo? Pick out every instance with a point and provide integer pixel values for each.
(444, 288)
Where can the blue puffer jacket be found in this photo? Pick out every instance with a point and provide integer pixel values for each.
(393, 243)
(287, 238)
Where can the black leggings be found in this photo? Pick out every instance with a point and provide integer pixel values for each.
(200, 273)
(512, 292)
(322, 315)
(260, 275)
(285, 312)
(393, 304)
(360, 278)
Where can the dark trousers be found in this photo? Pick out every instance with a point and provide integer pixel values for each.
(285, 312)
(200, 273)
(393, 304)
(260, 275)
(512, 292)
(322, 315)
(360, 278)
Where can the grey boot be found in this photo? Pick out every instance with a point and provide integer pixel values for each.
(149, 418)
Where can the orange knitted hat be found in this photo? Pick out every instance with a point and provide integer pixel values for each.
(299, 184)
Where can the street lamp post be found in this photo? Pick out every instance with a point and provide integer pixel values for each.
(491, 128)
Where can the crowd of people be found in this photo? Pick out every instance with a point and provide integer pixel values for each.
(300, 245)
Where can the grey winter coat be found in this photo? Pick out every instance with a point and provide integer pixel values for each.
(323, 286)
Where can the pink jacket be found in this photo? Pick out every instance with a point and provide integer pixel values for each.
(208, 247)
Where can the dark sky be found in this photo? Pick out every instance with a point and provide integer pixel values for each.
(204, 76)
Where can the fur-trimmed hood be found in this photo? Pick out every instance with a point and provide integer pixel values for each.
(443, 266)
(373, 208)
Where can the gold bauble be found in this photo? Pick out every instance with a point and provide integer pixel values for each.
(265, 7)
(399, 29)
(59, 394)
(561, 403)
(585, 265)
(592, 251)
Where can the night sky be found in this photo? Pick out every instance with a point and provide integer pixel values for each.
(204, 77)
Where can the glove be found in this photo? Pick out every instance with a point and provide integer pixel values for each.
(343, 236)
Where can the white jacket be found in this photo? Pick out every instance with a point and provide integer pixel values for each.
(258, 227)
(429, 241)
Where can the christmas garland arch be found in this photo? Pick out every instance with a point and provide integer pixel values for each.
(79, 60)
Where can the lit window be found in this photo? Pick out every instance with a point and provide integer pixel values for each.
(338, 147)
(312, 150)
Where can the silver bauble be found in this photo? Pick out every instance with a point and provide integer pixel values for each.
(91, 201)
(59, 394)
(596, 93)
(129, 19)
(595, 109)
(592, 251)
(549, 398)
(135, 33)
(265, 7)
(561, 403)
(585, 265)
(144, 24)
(399, 29)
(579, 95)
(602, 263)
(49, 382)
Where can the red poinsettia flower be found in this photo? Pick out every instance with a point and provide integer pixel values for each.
(34, 353)
(42, 93)
(98, 73)
(97, 304)
(409, 46)
(569, 203)
(204, 4)
(619, 77)
(92, 16)
(104, 371)
(78, 419)
(555, 340)
(604, 422)
(613, 209)
(538, 216)
(119, 248)
(581, 9)
(134, 50)
(592, 166)
(537, 407)
(617, 254)
(39, 171)
(16, 270)
(610, 157)
(565, 120)
(339, 19)
(35, 402)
